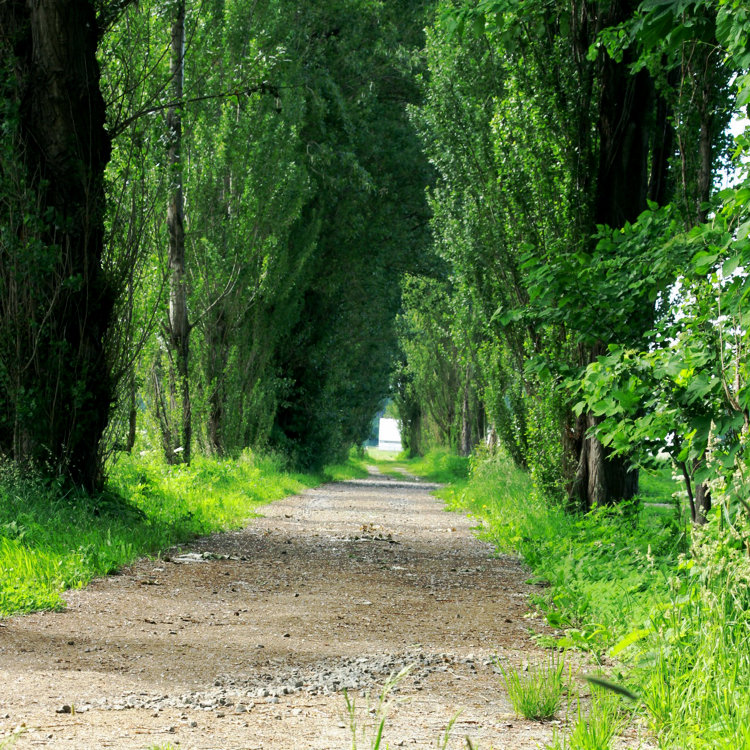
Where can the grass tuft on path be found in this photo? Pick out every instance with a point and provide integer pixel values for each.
(53, 539)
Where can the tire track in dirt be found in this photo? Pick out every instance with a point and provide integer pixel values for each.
(246, 639)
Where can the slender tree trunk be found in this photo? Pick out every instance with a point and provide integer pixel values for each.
(699, 496)
(705, 150)
(689, 489)
(702, 503)
(216, 345)
(56, 392)
(466, 441)
(132, 414)
(178, 327)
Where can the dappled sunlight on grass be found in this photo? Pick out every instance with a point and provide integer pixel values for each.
(382, 456)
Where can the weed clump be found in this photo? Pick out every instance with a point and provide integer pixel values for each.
(538, 692)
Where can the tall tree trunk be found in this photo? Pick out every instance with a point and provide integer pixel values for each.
(600, 478)
(622, 186)
(178, 326)
(661, 152)
(466, 441)
(705, 136)
(55, 384)
(217, 353)
(132, 415)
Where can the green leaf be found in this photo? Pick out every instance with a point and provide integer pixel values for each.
(703, 261)
(511, 316)
(730, 266)
(607, 406)
(613, 686)
(628, 399)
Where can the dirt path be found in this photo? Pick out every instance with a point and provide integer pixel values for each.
(246, 639)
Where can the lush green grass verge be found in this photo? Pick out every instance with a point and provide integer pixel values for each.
(52, 540)
(629, 583)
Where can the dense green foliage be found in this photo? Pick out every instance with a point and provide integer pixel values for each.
(303, 204)
(266, 221)
(236, 226)
(231, 279)
(567, 237)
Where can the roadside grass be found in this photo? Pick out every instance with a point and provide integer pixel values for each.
(367, 726)
(595, 728)
(666, 606)
(620, 584)
(378, 455)
(370, 731)
(53, 539)
(354, 468)
(657, 485)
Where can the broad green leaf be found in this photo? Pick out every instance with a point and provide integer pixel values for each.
(730, 266)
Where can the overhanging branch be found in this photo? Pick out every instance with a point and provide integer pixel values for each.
(261, 88)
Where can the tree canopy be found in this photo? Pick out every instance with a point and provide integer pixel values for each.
(234, 224)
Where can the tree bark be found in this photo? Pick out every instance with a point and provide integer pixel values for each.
(217, 352)
(622, 187)
(466, 441)
(178, 326)
(705, 150)
(600, 478)
(702, 503)
(57, 304)
(132, 415)
(661, 152)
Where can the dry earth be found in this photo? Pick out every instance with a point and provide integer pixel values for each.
(247, 639)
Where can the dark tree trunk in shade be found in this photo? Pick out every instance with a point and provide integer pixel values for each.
(600, 478)
(132, 415)
(55, 389)
(622, 188)
(466, 440)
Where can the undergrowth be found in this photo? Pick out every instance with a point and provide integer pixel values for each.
(668, 607)
(52, 538)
